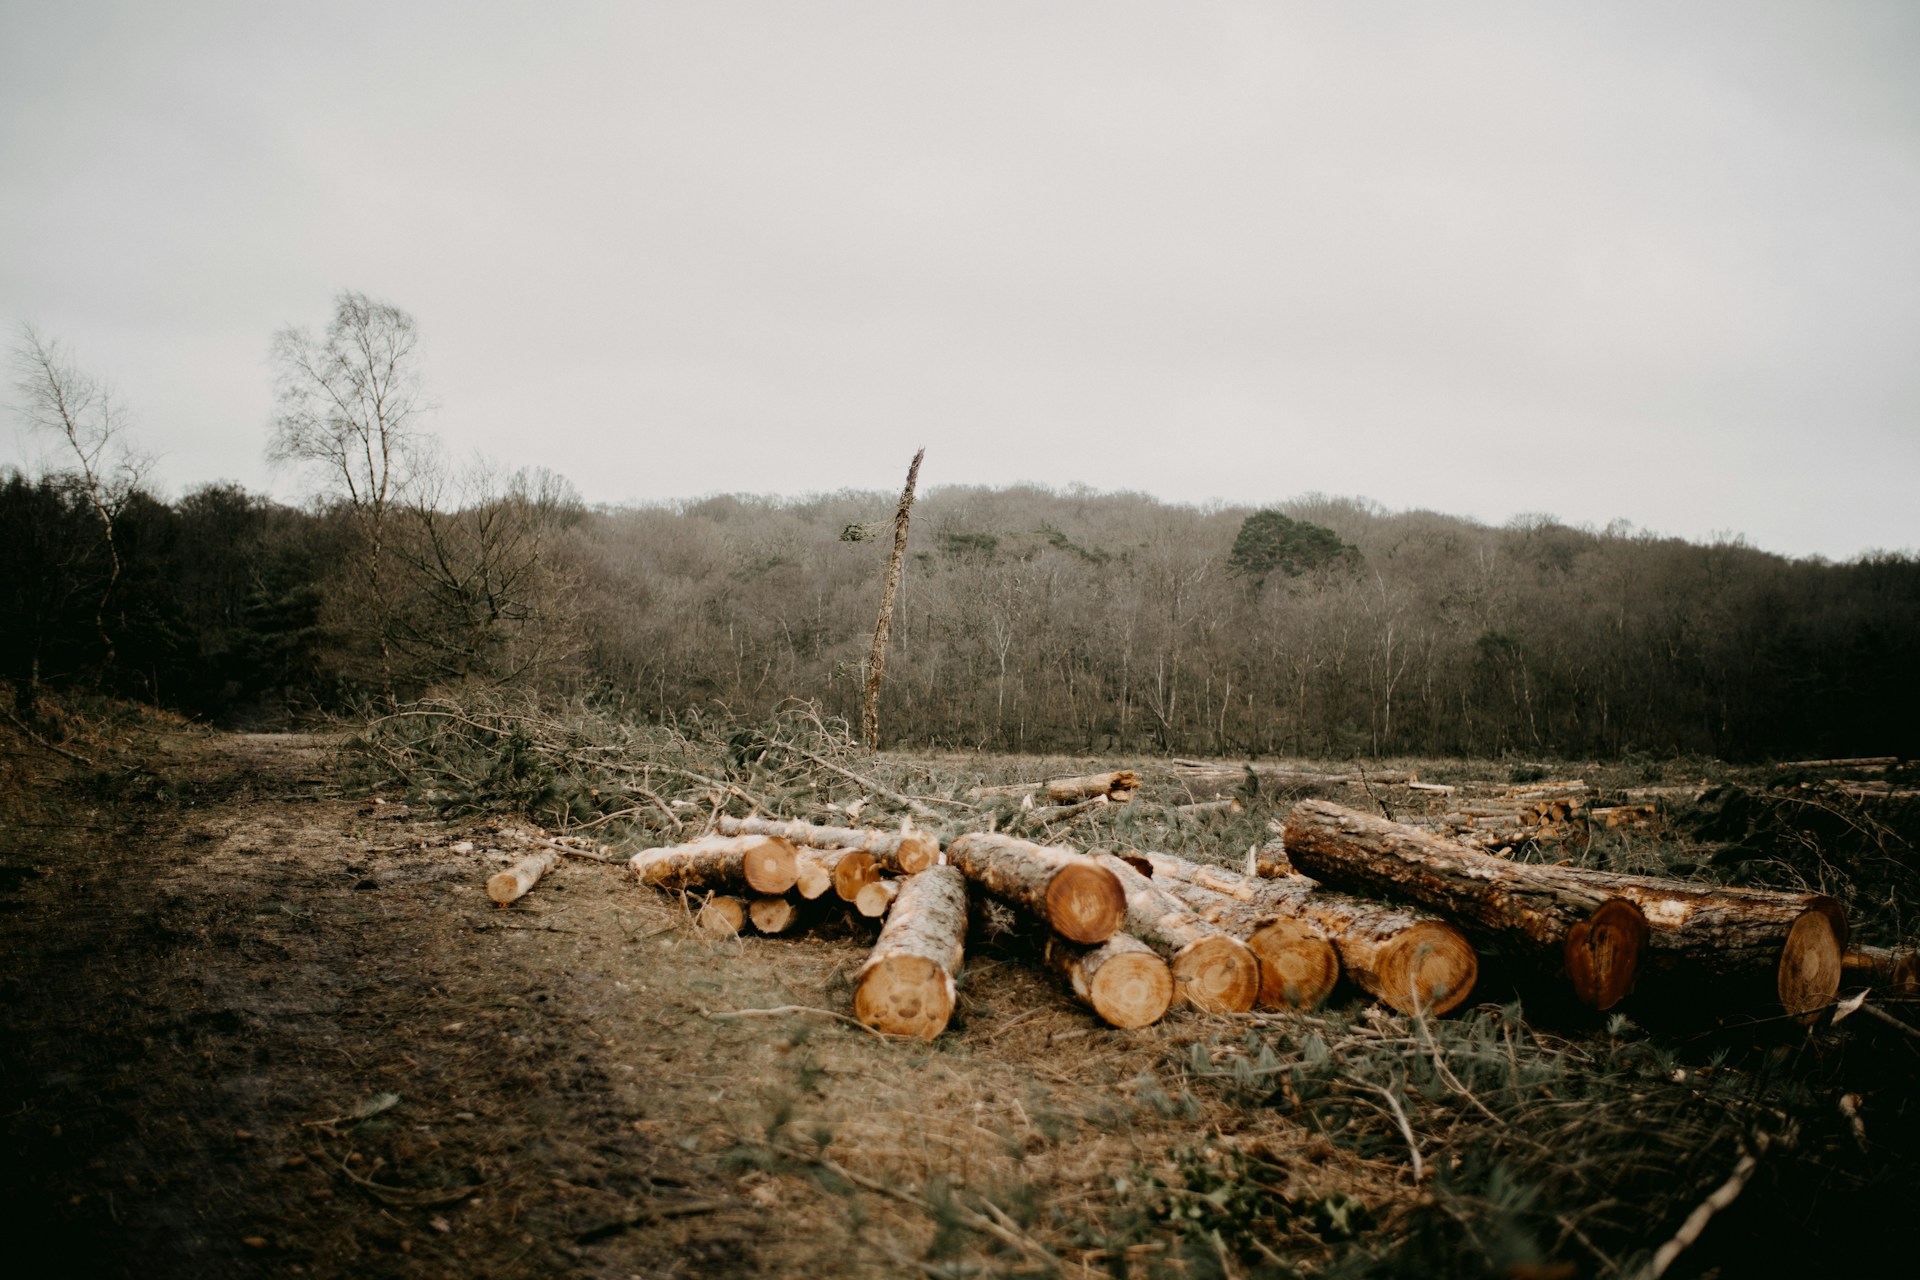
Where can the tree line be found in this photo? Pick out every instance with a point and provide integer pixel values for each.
(1028, 618)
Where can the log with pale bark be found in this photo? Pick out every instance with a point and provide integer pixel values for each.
(722, 915)
(903, 852)
(1410, 961)
(1123, 980)
(1072, 790)
(773, 915)
(762, 864)
(518, 880)
(1075, 896)
(1213, 971)
(1893, 971)
(906, 987)
(1600, 928)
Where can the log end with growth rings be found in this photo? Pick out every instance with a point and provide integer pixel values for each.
(1085, 903)
(1217, 974)
(1430, 968)
(1603, 953)
(905, 995)
(1132, 990)
(1811, 962)
(721, 916)
(771, 865)
(1298, 966)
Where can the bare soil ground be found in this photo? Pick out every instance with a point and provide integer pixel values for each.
(255, 1026)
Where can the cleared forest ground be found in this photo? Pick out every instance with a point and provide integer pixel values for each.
(255, 1024)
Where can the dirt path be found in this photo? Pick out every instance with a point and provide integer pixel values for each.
(216, 962)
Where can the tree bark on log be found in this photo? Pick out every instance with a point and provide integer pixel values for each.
(1408, 960)
(518, 880)
(1298, 964)
(764, 864)
(902, 852)
(1894, 971)
(1787, 945)
(772, 915)
(906, 987)
(1123, 980)
(1077, 897)
(1213, 971)
(1072, 790)
(721, 915)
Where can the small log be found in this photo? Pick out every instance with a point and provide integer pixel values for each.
(1213, 971)
(1077, 897)
(853, 871)
(1893, 971)
(518, 880)
(1857, 762)
(1071, 790)
(1437, 788)
(874, 900)
(1270, 860)
(721, 915)
(1789, 943)
(772, 915)
(1122, 980)
(1203, 807)
(813, 871)
(763, 864)
(903, 852)
(906, 987)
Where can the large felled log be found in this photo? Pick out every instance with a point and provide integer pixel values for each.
(1123, 980)
(906, 987)
(1070, 790)
(904, 851)
(1298, 965)
(1894, 971)
(1076, 896)
(1213, 971)
(764, 864)
(1409, 961)
(1789, 944)
(772, 915)
(518, 880)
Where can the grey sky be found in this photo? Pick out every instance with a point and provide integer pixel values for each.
(1657, 262)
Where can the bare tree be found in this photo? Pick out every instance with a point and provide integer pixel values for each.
(877, 657)
(346, 405)
(59, 398)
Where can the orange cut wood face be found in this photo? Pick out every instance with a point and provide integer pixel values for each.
(1603, 954)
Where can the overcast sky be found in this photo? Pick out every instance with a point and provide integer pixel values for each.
(1657, 262)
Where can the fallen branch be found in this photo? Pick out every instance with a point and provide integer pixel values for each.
(785, 1009)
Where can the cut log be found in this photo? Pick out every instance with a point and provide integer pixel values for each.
(1298, 964)
(874, 900)
(1070, 790)
(1269, 860)
(906, 987)
(772, 915)
(1857, 762)
(764, 864)
(1788, 944)
(721, 915)
(1213, 971)
(853, 871)
(904, 851)
(1063, 813)
(1893, 971)
(1437, 788)
(813, 871)
(518, 880)
(1122, 980)
(1077, 897)
(1203, 807)
(1409, 961)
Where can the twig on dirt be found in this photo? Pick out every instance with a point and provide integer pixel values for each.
(571, 850)
(784, 1009)
(1723, 1195)
(650, 1213)
(405, 1197)
(41, 742)
(1406, 1130)
(1892, 1021)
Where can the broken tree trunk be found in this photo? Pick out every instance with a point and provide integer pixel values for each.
(877, 655)
(1071, 790)
(1077, 897)
(904, 851)
(1788, 945)
(764, 864)
(721, 915)
(1123, 980)
(1298, 964)
(518, 880)
(906, 986)
(1213, 971)
(772, 915)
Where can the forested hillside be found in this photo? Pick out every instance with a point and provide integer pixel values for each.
(1029, 619)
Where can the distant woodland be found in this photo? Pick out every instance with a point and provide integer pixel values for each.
(1029, 619)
